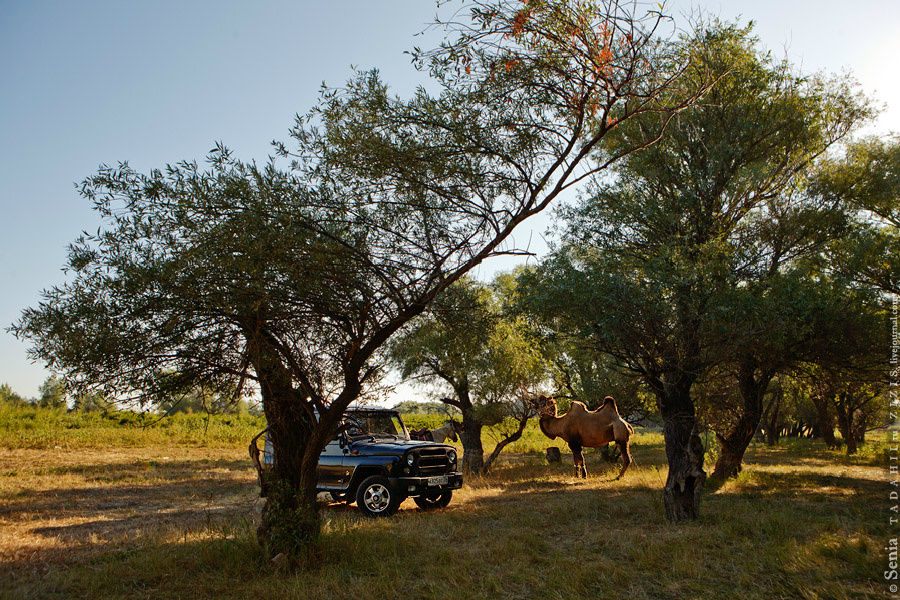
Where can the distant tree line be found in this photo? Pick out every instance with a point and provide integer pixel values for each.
(412, 407)
(53, 393)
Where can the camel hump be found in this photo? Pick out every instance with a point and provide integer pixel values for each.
(610, 401)
(578, 407)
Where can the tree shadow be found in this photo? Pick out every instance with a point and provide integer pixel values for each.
(144, 523)
(115, 505)
(136, 468)
(92, 502)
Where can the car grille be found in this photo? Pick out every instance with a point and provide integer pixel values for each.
(433, 461)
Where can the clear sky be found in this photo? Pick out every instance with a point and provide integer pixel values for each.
(84, 83)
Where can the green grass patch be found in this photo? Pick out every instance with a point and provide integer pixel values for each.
(37, 428)
(34, 427)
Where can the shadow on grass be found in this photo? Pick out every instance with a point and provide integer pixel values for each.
(143, 523)
(799, 451)
(139, 468)
(791, 484)
(94, 502)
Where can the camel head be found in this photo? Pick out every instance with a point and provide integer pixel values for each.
(544, 405)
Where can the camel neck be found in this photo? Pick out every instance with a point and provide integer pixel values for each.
(547, 426)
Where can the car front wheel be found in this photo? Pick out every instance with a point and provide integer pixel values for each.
(438, 499)
(375, 497)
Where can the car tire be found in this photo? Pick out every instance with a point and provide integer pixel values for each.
(434, 500)
(375, 497)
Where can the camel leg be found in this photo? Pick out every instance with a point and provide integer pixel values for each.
(624, 447)
(578, 456)
(579, 465)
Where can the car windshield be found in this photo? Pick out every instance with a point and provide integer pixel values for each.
(375, 424)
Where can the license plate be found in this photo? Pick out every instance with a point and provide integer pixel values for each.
(441, 480)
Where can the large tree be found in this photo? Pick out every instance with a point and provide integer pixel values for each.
(839, 235)
(294, 280)
(477, 357)
(866, 180)
(780, 324)
(650, 260)
(578, 369)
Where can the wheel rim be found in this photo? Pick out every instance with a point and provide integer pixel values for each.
(377, 497)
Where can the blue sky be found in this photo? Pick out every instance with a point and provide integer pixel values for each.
(83, 83)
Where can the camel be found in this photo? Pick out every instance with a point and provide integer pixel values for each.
(581, 427)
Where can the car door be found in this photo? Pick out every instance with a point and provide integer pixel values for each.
(330, 472)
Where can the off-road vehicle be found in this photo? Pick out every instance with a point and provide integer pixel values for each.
(373, 462)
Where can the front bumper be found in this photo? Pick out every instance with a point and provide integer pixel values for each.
(416, 486)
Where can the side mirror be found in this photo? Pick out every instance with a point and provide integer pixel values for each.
(342, 441)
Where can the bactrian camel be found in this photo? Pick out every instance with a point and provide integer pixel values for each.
(581, 427)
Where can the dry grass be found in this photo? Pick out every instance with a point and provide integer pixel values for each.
(800, 522)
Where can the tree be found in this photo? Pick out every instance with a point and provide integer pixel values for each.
(851, 273)
(866, 180)
(478, 359)
(52, 393)
(90, 401)
(859, 407)
(783, 323)
(579, 370)
(650, 260)
(206, 399)
(425, 408)
(10, 398)
(294, 280)
(852, 376)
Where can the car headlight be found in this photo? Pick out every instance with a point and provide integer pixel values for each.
(410, 459)
(451, 455)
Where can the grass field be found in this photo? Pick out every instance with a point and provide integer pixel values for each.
(32, 427)
(158, 517)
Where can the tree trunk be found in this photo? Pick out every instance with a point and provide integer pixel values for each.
(735, 442)
(772, 429)
(473, 452)
(860, 425)
(684, 452)
(845, 422)
(733, 445)
(824, 420)
(290, 521)
(503, 443)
